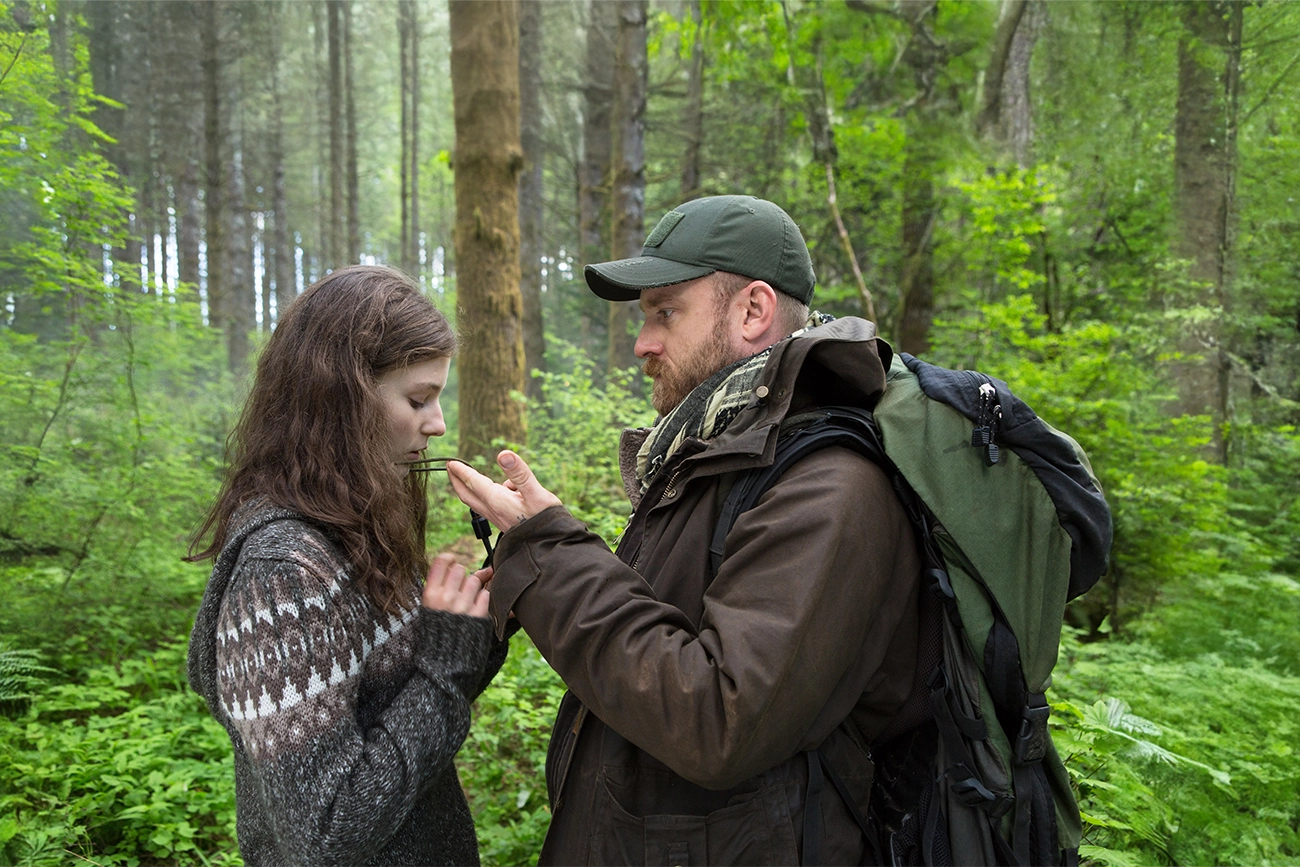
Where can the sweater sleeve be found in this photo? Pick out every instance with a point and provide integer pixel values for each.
(290, 649)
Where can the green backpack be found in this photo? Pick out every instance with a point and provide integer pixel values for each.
(1012, 524)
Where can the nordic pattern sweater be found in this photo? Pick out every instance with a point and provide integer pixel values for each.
(344, 719)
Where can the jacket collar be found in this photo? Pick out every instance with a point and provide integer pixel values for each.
(841, 362)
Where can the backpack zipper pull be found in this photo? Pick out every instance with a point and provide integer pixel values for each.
(985, 431)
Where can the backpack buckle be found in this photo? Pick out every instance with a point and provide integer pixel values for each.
(1031, 744)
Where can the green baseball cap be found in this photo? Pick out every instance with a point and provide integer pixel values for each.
(740, 234)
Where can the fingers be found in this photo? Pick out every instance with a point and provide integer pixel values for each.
(480, 606)
(521, 479)
(450, 588)
(505, 505)
(470, 485)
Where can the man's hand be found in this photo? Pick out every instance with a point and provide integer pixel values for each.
(450, 588)
(514, 502)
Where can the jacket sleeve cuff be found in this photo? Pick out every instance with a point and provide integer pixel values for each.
(514, 569)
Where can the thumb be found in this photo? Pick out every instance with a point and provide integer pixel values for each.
(523, 480)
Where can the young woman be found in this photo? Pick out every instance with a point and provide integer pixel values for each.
(345, 686)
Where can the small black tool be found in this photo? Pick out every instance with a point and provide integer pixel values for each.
(482, 530)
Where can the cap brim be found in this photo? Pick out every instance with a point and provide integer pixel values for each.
(623, 280)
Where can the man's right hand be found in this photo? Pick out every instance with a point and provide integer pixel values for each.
(505, 505)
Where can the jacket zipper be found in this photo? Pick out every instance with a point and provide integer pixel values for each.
(667, 492)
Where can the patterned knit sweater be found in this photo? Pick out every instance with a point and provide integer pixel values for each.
(344, 719)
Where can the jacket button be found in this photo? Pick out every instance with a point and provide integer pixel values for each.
(761, 391)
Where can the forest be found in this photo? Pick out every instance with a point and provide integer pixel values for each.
(1094, 201)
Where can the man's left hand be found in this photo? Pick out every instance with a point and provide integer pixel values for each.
(505, 505)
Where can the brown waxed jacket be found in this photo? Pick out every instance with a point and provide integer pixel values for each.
(693, 700)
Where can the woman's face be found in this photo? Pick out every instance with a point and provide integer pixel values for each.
(409, 396)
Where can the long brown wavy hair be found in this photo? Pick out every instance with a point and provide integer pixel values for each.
(313, 435)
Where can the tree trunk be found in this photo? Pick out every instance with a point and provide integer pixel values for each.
(404, 87)
(240, 304)
(920, 212)
(693, 113)
(597, 144)
(320, 185)
(338, 182)
(485, 92)
(414, 244)
(285, 285)
(1006, 112)
(1205, 156)
(631, 78)
(530, 191)
(350, 133)
(214, 191)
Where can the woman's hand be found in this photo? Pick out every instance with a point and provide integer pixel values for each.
(450, 588)
(514, 502)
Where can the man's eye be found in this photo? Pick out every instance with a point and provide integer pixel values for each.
(417, 404)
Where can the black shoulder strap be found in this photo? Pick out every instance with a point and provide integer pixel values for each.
(800, 436)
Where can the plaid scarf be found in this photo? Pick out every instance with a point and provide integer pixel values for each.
(704, 413)
(708, 409)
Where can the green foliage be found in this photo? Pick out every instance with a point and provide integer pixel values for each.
(1206, 774)
(20, 673)
(123, 767)
(503, 760)
(575, 430)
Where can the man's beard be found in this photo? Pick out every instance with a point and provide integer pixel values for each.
(672, 384)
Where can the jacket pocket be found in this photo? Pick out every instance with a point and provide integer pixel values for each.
(738, 833)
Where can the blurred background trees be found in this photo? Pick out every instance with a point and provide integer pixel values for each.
(1092, 200)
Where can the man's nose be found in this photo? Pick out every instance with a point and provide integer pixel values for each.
(645, 347)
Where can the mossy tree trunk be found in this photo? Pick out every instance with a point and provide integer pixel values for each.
(530, 190)
(1205, 158)
(631, 80)
(487, 162)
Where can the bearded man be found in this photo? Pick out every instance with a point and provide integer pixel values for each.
(703, 706)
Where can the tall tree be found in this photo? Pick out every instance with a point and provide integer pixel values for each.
(350, 138)
(488, 158)
(597, 141)
(1006, 110)
(631, 80)
(285, 285)
(1205, 159)
(409, 72)
(338, 179)
(812, 83)
(321, 129)
(239, 305)
(414, 243)
(214, 133)
(693, 111)
(404, 130)
(530, 190)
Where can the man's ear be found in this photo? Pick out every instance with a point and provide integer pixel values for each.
(758, 303)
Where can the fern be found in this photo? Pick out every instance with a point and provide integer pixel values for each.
(20, 672)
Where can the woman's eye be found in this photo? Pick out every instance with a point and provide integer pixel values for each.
(417, 404)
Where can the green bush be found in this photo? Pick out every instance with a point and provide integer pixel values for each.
(125, 768)
(503, 761)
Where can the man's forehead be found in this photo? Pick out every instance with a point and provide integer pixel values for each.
(658, 296)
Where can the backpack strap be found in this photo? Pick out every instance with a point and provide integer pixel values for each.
(800, 436)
